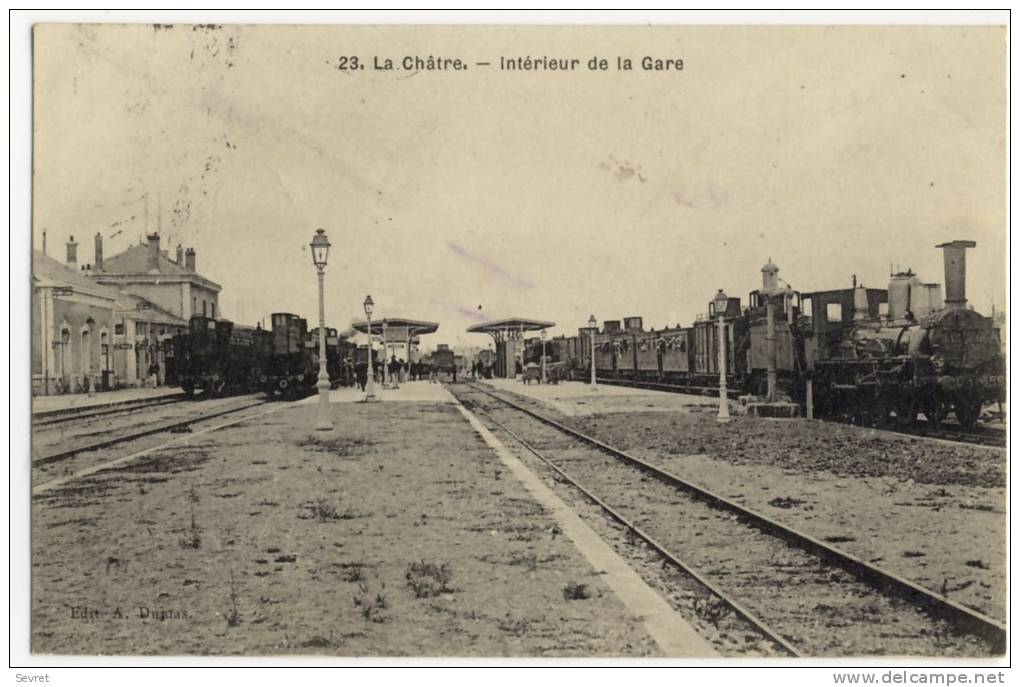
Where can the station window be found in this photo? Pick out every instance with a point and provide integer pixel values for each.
(883, 310)
(805, 307)
(118, 329)
(834, 312)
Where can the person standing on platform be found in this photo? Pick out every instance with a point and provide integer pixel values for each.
(361, 373)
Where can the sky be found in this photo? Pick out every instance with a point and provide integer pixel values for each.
(463, 196)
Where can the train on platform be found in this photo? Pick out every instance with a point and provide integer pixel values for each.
(873, 356)
(217, 358)
(444, 363)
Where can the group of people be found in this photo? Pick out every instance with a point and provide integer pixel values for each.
(481, 370)
(356, 373)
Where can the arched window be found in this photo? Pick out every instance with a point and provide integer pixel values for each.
(65, 351)
(212, 306)
(203, 308)
(86, 352)
(104, 351)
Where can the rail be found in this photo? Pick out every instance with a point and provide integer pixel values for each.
(962, 617)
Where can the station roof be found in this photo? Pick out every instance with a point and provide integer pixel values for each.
(132, 264)
(513, 324)
(414, 327)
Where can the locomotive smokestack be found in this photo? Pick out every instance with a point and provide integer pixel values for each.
(955, 256)
(860, 302)
(769, 278)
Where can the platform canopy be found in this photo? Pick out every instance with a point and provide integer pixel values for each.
(509, 328)
(398, 329)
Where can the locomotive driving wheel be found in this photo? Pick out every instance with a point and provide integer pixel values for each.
(906, 411)
(881, 410)
(968, 410)
(935, 409)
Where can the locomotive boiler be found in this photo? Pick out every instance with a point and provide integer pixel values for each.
(922, 355)
(870, 355)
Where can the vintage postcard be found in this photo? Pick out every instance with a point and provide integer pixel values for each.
(519, 341)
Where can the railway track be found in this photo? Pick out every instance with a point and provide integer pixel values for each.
(981, 436)
(53, 417)
(50, 456)
(809, 597)
(672, 388)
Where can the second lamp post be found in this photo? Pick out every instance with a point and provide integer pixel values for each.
(320, 253)
(721, 301)
(543, 356)
(370, 382)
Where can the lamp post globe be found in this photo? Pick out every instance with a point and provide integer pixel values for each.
(320, 249)
(720, 301)
(369, 306)
(593, 327)
(320, 255)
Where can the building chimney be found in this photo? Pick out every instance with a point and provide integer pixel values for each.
(99, 253)
(72, 253)
(180, 255)
(955, 256)
(153, 263)
(189, 259)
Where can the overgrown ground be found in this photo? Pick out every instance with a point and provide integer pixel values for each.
(933, 512)
(397, 534)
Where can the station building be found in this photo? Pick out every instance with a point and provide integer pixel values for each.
(146, 271)
(160, 295)
(72, 318)
(105, 324)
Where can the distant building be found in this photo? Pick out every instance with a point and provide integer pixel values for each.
(142, 331)
(146, 271)
(98, 325)
(72, 326)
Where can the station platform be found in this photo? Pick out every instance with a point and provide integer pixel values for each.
(578, 398)
(401, 532)
(418, 391)
(70, 402)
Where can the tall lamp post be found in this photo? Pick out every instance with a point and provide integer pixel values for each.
(592, 324)
(370, 386)
(543, 356)
(385, 357)
(320, 253)
(721, 302)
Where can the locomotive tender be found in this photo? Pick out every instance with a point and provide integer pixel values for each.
(218, 357)
(872, 355)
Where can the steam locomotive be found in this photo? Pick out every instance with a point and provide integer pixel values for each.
(871, 355)
(218, 357)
